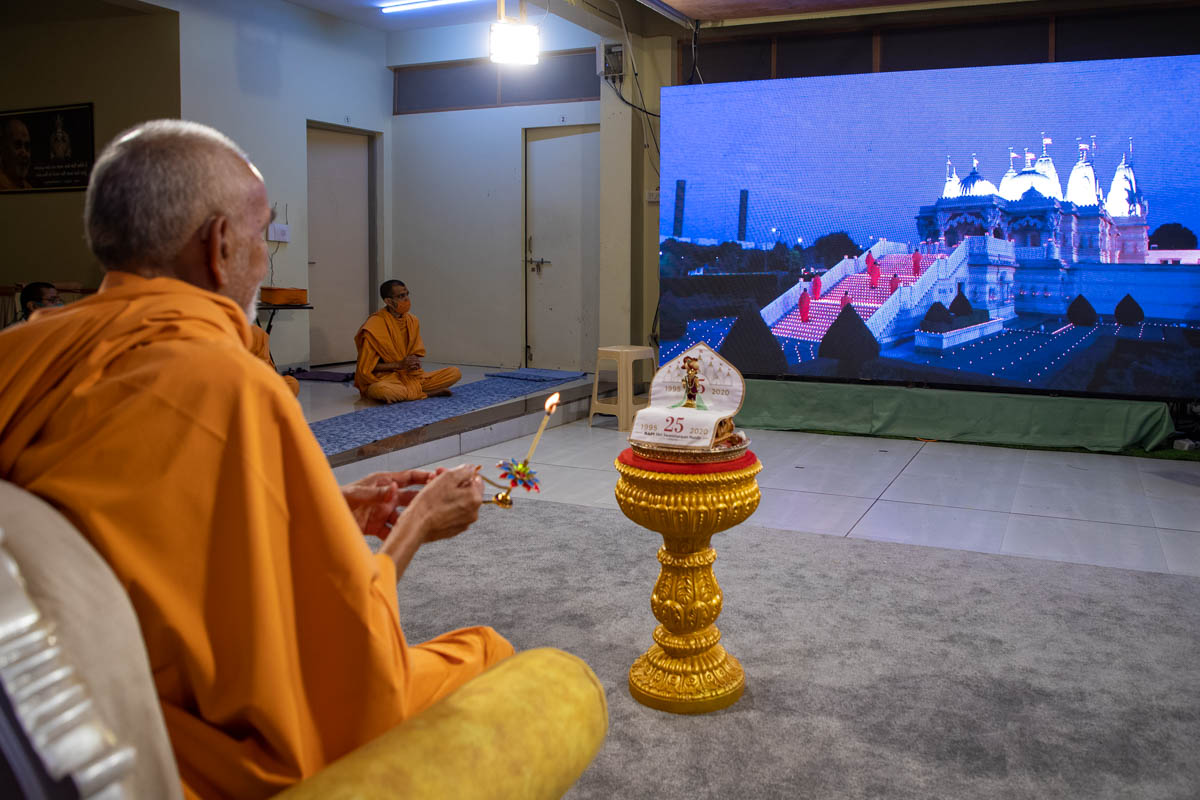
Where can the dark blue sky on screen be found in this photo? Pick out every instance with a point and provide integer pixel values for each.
(861, 153)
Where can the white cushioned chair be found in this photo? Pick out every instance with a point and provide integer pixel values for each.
(79, 716)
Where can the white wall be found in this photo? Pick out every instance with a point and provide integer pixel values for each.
(455, 42)
(459, 192)
(459, 224)
(259, 70)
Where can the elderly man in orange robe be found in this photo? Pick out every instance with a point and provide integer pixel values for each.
(390, 352)
(273, 632)
(260, 348)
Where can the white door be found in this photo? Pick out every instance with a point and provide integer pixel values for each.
(338, 238)
(562, 201)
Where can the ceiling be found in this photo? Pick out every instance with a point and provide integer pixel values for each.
(713, 13)
(366, 12)
(712, 10)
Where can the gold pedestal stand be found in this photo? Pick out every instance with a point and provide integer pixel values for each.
(687, 671)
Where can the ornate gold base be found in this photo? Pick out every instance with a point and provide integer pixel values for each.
(696, 684)
(687, 671)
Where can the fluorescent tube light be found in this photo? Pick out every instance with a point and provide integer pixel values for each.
(413, 5)
(514, 43)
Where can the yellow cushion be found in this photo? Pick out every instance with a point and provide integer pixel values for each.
(526, 728)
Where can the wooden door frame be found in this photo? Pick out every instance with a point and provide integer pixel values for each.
(375, 183)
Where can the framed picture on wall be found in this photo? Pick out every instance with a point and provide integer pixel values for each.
(48, 149)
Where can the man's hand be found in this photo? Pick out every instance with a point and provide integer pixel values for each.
(376, 500)
(446, 507)
(409, 363)
(449, 503)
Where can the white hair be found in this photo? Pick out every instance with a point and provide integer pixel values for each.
(152, 188)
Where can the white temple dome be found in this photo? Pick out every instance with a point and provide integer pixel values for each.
(1020, 183)
(1006, 183)
(1045, 166)
(1082, 187)
(1123, 198)
(975, 185)
(951, 190)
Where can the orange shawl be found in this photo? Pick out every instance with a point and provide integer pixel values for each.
(384, 338)
(273, 633)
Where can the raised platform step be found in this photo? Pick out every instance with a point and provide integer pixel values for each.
(477, 429)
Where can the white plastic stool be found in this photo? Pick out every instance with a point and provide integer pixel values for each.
(625, 355)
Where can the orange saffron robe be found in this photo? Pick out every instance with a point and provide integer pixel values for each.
(273, 633)
(260, 348)
(384, 338)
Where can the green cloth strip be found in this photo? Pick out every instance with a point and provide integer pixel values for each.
(955, 416)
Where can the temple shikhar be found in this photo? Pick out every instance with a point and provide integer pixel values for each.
(1030, 208)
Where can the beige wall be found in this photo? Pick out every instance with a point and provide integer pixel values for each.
(656, 65)
(629, 251)
(129, 68)
(459, 223)
(448, 186)
(459, 191)
(260, 70)
(457, 220)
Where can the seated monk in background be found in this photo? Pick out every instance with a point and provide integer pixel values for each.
(390, 352)
(38, 294)
(273, 632)
(260, 348)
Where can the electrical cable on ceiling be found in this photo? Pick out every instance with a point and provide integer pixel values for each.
(647, 125)
(695, 72)
(598, 10)
(626, 101)
(621, 97)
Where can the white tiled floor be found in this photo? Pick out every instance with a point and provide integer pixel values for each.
(1094, 509)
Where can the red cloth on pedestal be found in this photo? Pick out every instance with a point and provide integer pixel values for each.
(631, 459)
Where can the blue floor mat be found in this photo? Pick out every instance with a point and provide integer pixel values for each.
(538, 375)
(345, 432)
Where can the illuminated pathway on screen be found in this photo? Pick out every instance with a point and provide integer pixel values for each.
(1016, 354)
(710, 331)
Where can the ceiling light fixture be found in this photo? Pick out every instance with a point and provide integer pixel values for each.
(512, 41)
(413, 5)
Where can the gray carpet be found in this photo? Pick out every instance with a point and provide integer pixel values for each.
(874, 670)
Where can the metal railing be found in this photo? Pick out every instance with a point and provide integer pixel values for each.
(914, 294)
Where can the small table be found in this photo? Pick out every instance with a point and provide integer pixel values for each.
(273, 307)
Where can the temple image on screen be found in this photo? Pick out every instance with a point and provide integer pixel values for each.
(1055, 258)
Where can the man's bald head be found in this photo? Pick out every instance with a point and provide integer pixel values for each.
(155, 185)
(15, 155)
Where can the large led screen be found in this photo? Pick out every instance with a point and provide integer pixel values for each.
(1027, 227)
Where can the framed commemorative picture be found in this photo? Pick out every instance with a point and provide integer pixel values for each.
(48, 149)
